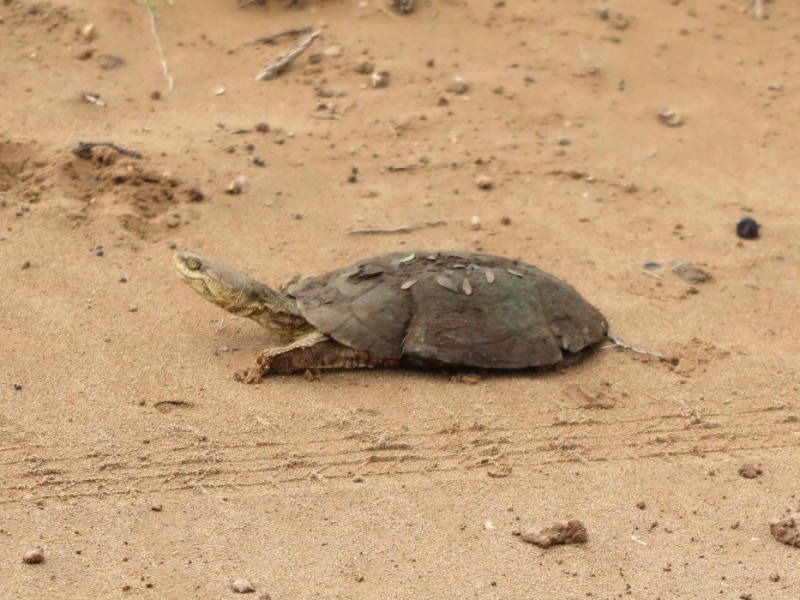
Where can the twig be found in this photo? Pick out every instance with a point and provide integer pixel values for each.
(164, 67)
(92, 99)
(616, 343)
(649, 274)
(270, 39)
(380, 9)
(393, 168)
(84, 149)
(272, 71)
(403, 229)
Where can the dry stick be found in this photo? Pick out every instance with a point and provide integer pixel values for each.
(160, 49)
(272, 71)
(404, 229)
(270, 39)
(92, 99)
(84, 149)
(616, 343)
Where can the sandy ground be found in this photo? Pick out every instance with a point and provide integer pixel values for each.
(143, 469)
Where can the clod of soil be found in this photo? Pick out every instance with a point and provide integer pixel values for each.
(787, 529)
(750, 470)
(571, 532)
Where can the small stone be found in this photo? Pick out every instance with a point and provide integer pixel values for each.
(571, 532)
(88, 32)
(690, 273)
(155, 95)
(380, 79)
(669, 117)
(123, 279)
(774, 577)
(750, 470)
(236, 187)
(242, 586)
(365, 68)
(484, 182)
(564, 141)
(34, 556)
(156, 508)
(18, 386)
(475, 223)
(262, 128)
(459, 86)
(195, 195)
(747, 228)
(641, 505)
(333, 51)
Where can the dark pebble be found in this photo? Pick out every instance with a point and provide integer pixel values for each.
(747, 228)
(123, 280)
(651, 266)
(18, 386)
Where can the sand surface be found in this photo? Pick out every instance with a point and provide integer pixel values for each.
(130, 454)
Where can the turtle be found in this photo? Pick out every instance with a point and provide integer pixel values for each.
(420, 309)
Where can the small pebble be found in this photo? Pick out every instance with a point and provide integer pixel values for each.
(242, 586)
(690, 273)
(459, 86)
(669, 117)
(18, 386)
(747, 228)
(123, 279)
(156, 508)
(484, 182)
(641, 505)
(33, 557)
(380, 79)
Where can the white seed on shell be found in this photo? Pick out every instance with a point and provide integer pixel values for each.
(466, 286)
(514, 273)
(489, 275)
(408, 258)
(408, 284)
(446, 283)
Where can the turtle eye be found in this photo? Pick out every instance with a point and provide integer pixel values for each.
(193, 264)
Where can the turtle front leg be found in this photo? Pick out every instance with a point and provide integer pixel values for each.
(314, 351)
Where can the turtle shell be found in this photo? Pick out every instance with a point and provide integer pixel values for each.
(457, 308)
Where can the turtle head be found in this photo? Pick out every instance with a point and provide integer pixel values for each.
(240, 294)
(217, 283)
